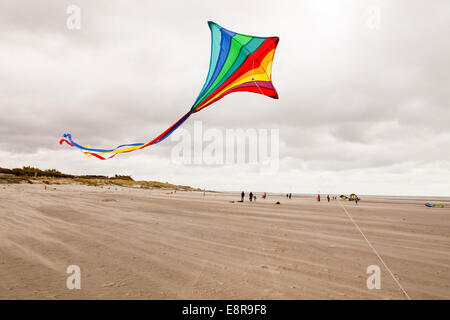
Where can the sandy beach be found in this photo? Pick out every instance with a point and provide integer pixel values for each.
(146, 244)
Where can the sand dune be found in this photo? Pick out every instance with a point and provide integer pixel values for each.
(146, 244)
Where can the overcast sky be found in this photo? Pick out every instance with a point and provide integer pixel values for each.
(363, 107)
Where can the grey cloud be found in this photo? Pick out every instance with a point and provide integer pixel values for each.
(351, 98)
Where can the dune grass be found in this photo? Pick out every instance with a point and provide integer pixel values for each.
(52, 176)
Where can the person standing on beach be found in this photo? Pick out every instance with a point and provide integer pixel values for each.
(328, 198)
(250, 196)
(318, 197)
(290, 195)
(242, 196)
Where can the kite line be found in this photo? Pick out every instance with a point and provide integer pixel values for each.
(375, 251)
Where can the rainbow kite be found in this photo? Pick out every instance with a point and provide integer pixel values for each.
(238, 63)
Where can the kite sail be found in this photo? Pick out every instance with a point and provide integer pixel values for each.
(238, 63)
(431, 205)
(352, 197)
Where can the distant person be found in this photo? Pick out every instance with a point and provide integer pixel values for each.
(254, 197)
(242, 196)
(250, 196)
(290, 195)
(356, 200)
(287, 195)
(264, 195)
(318, 197)
(328, 198)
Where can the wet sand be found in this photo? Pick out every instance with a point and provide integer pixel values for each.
(146, 244)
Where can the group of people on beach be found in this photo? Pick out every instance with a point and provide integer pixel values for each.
(252, 196)
(333, 198)
(328, 198)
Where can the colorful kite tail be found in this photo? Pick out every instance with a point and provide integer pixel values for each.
(104, 154)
